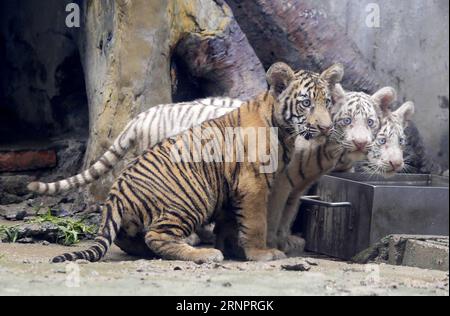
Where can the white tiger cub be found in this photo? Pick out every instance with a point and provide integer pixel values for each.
(143, 132)
(359, 120)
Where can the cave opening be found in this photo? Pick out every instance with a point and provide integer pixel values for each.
(36, 108)
(185, 86)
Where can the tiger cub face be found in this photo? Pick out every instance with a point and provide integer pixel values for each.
(357, 119)
(304, 98)
(386, 156)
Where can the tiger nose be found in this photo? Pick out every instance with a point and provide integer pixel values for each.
(396, 164)
(325, 129)
(360, 144)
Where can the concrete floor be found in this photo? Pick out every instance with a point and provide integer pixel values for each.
(25, 270)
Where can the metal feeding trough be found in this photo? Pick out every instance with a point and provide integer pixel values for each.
(352, 211)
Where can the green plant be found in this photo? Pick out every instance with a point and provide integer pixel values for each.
(69, 230)
(9, 233)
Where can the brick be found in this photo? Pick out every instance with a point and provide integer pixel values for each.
(27, 160)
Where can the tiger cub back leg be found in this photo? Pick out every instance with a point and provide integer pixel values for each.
(252, 223)
(166, 238)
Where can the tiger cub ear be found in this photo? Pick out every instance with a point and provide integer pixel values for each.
(279, 76)
(338, 95)
(384, 98)
(405, 113)
(333, 75)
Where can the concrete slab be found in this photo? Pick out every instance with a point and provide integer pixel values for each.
(426, 255)
(428, 252)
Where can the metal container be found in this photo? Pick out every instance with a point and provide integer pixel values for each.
(352, 211)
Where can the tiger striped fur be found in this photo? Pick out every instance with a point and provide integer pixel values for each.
(165, 200)
(387, 154)
(357, 119)
(383, 155)
(143, 132)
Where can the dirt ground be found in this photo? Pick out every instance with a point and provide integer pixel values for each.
(25, 270)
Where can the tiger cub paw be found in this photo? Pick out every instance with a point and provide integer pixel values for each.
(207, 256)
(293, 246)
(264, 254)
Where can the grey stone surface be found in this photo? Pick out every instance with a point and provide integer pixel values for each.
(25, 270)
(426, 255)
(427, 252)
(13, 188)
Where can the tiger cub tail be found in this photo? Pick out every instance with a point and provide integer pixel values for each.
(109, 228)
(102, 166)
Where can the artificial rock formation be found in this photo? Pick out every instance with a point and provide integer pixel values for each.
(302, 35)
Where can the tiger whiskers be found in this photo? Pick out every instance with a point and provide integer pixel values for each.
(407, 168)
(373, 170)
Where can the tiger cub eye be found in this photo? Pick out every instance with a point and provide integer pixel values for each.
(306, 103)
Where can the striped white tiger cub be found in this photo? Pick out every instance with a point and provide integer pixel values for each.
(360, 122)
(386, 156)
(143, 132)
(160, 200)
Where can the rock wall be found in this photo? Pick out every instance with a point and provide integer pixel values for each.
(43, 102)
(410, 51)
(295, 32)
(41, 78)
